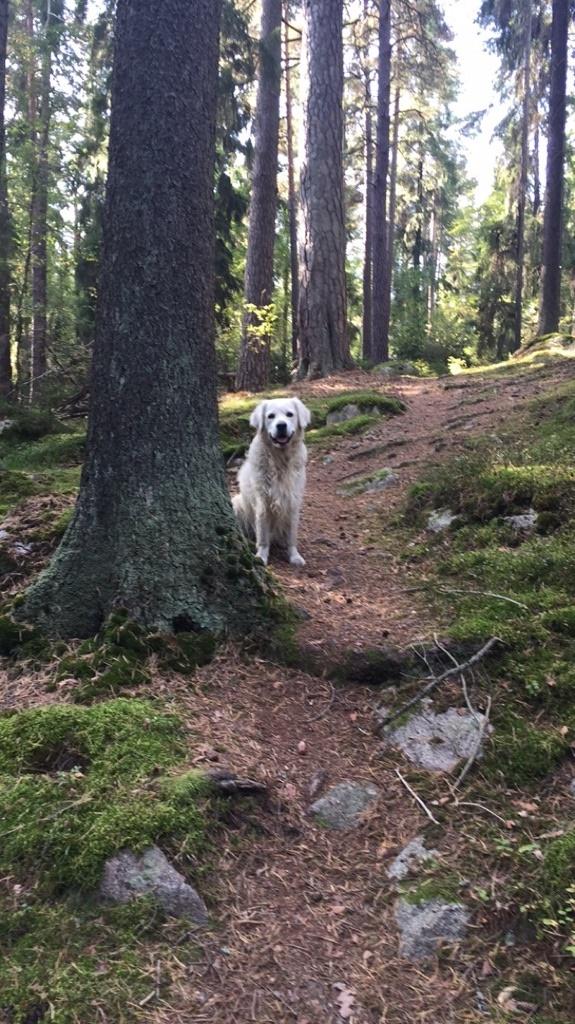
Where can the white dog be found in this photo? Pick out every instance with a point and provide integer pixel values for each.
(272, 478)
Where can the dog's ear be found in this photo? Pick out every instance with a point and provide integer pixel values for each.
(303, 414)
(257, 416)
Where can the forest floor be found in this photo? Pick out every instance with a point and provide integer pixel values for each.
(303, 917)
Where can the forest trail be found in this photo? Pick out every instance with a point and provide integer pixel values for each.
(305, 916)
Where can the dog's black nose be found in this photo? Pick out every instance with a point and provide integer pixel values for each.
(281, 429)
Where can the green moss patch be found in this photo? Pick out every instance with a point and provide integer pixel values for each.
(357, 425)
(521, 753)
(366, 401)
(77, 784)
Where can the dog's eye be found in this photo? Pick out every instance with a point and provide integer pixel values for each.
(271, 415)
(290, 414)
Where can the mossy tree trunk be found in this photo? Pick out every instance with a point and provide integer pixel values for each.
(254, 364)
(153, 531)
(5, 230)
(380, 319)
(323, 339)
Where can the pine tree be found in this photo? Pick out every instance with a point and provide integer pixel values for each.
(324, 343)
(5, 228)
(380, 339)
(254, 364)
(153, 530)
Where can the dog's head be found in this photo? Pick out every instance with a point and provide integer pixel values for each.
(280, 419)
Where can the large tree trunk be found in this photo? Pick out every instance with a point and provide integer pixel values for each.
(550, 304)
(153, 530)
(40, 225)
(254, 365)
(5, 226)
(522, 185)
(388, 279)
(324, 345)
(380, 342)
(292, 197)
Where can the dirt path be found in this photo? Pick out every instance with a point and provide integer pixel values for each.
(306, 929)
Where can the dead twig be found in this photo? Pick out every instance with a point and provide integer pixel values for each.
(476, 750)
(455, 670)
(423, 805)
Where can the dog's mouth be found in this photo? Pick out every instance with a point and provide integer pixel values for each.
(281, 442)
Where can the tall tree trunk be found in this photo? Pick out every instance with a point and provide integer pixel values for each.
(254, 365)
(292, 196)
(153, 530)
(40, 227)
(522, 185)
(380, 343)
(5, 226)
(391, 208)
(550, 303)
(368, 252)
(324, 344)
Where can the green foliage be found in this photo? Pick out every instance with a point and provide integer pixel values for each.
(357, 425)
(78, 784)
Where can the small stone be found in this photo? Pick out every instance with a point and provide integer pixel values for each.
(572, 788)
(412, 855)
(327, 460)
(6, 424)
(4, 535)
(343, 805)
(441, 519)
(128, 875)
(523, 521)
(439, 742)
(425, 926)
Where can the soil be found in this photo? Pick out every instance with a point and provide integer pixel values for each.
(304, 927)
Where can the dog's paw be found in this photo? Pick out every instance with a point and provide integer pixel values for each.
(296, 559)
(263, 554)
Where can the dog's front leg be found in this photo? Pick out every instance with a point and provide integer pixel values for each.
(293, 554)
(262, 535)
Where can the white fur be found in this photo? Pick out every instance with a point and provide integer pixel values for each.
(272, 478)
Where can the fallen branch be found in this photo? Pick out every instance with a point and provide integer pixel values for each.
(455, 670)
(475, 753)
(416, 797)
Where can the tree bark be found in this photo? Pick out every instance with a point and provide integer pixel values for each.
(254, 365)
(368, 252)
(324, 344)
(292, 197)
(388, 280)
(550, 301)
(40, 223)
(380, 343)
(522, 185)
(153, 530)
(5, 224)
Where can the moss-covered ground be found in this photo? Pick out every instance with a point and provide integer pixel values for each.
(486, 577)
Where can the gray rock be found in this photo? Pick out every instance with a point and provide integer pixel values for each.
(368, 484)
(412, 855)
(343, 805)
(441, 519)
(4, 535)
(424, 926)
(438, 742)
(523, 521)
(572, 788)
(6, 424)
(347, 412)
(327, 460)
(128, 875)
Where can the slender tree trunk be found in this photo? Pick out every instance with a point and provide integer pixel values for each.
(5, 225)
(324, 344)
(40, 229)
(254, 365)
(292, 197)
(368, 253)
(380, 343)
(153, 530)
(431, 285)
(523, 178)
(391, 209)
(550, 302)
